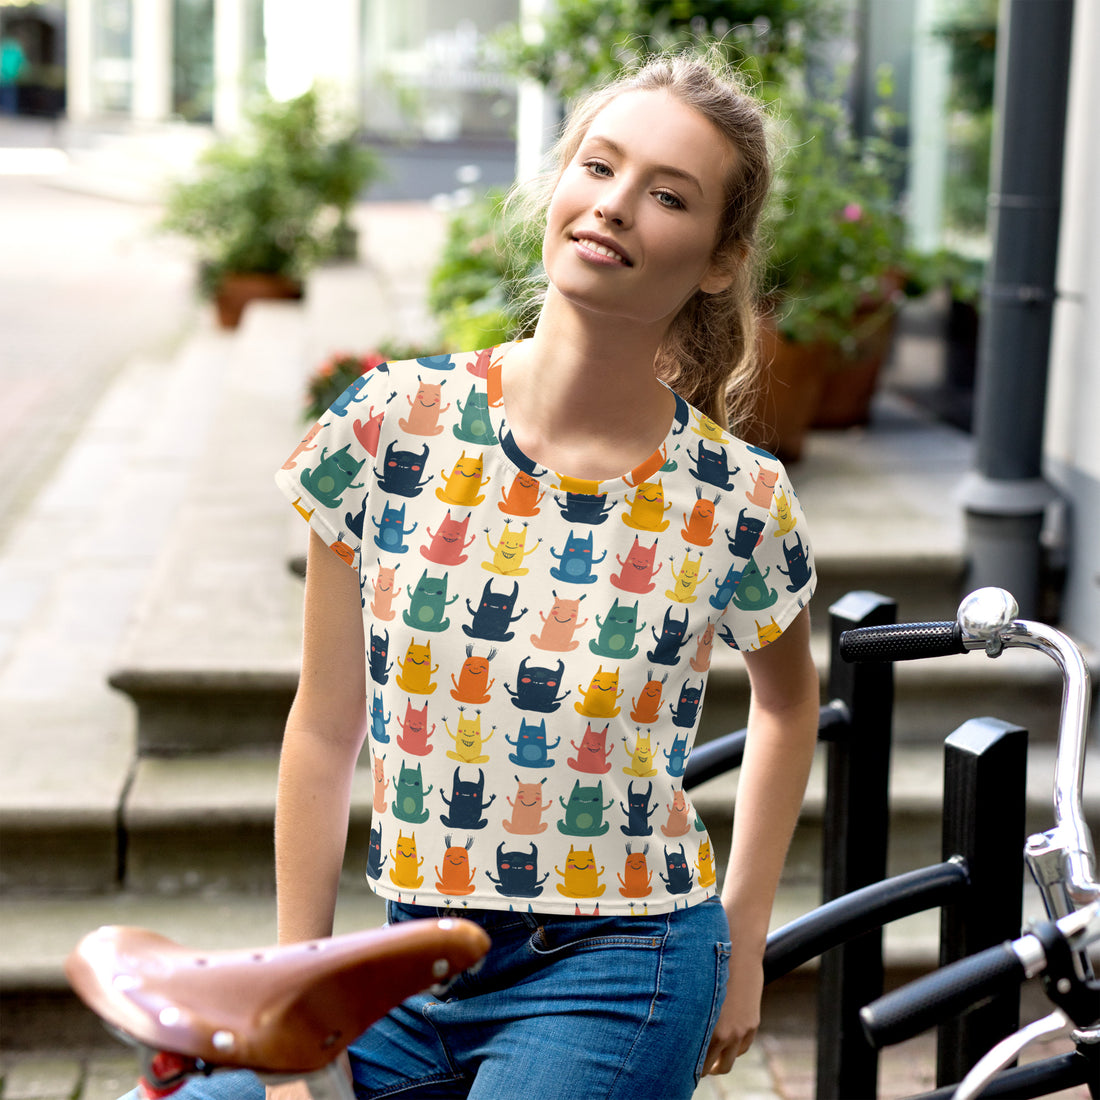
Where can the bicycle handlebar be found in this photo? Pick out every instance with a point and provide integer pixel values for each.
(902, 642)
(1062, 859)
(947, 992)
(938, 996)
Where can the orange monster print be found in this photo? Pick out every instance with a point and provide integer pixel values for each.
(647, 707)
(523, 498)
(473, 683)
(700, 526)
(457, 876)
(636, 879)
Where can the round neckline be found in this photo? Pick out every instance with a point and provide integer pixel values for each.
(646, 471)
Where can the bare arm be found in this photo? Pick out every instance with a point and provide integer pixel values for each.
(783, 719)
(324, 734)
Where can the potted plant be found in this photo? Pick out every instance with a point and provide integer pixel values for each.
(266, 207)
(836, 273)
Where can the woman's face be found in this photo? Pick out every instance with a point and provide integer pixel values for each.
(634, 218)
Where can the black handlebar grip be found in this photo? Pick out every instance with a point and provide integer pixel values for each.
(941, 995)
(901, 641)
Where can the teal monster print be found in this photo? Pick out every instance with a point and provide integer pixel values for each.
(409, 801)
(753, 593)
(617, 632)
(475, 427)
(584, 811)
(428, 604)
(334, 475)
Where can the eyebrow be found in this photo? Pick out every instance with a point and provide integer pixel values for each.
(663, 169)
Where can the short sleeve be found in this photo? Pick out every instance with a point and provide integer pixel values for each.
(778, 578)
(327, 476)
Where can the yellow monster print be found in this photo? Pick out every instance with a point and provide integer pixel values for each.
(581, 879)
(647, 509)
(708, 429)
(417, 669)
(306, 515)
(783, 515)
(641, 759)
(600, 696)
(687, 580)
(767, 632)
(406, 866)
(468, 741)
(463, 484)
(705, 866)
(509, 553)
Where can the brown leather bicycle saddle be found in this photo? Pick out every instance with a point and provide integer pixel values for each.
(287, 1009)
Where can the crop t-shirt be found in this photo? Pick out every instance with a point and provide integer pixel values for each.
(538, 645)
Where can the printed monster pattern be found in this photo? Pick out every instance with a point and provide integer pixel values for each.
(538, 646)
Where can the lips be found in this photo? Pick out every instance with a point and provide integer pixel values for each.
(603, 246)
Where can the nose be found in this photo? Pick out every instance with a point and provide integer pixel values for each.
(614, 207)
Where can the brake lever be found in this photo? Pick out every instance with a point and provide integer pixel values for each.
(1006, 1051)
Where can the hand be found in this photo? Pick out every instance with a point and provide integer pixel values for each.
(739, 1018)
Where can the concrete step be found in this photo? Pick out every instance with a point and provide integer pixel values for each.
(39, 1011)
(206, 823)
(71, 574)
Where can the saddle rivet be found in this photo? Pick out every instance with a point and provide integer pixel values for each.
(223, 1040)
(440, 968)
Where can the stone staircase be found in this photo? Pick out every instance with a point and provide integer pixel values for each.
(149, 666)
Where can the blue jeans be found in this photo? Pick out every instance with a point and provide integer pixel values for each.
(561, 1008)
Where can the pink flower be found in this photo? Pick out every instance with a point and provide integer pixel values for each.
(852, 212)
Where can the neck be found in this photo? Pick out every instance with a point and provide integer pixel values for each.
(581, 394)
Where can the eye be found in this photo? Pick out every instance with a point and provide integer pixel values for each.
(667, 198)
(597, 168)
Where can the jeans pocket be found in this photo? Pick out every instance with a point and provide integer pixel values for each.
(560, 936)
(721, 975)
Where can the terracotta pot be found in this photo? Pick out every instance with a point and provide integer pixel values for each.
(789, 391)
(850, 380)
(237, 290)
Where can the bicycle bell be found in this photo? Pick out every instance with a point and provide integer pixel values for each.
(984, 614)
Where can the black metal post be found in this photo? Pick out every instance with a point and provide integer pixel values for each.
(984, 806)
(857, 811)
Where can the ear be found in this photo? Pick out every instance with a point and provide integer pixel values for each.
(723, 269)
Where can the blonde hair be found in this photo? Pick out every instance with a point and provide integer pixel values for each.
(708, 355)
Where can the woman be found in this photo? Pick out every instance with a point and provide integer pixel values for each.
(546, 538)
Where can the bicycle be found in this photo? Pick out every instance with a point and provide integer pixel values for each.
(1060, 859)
(285, 1012)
